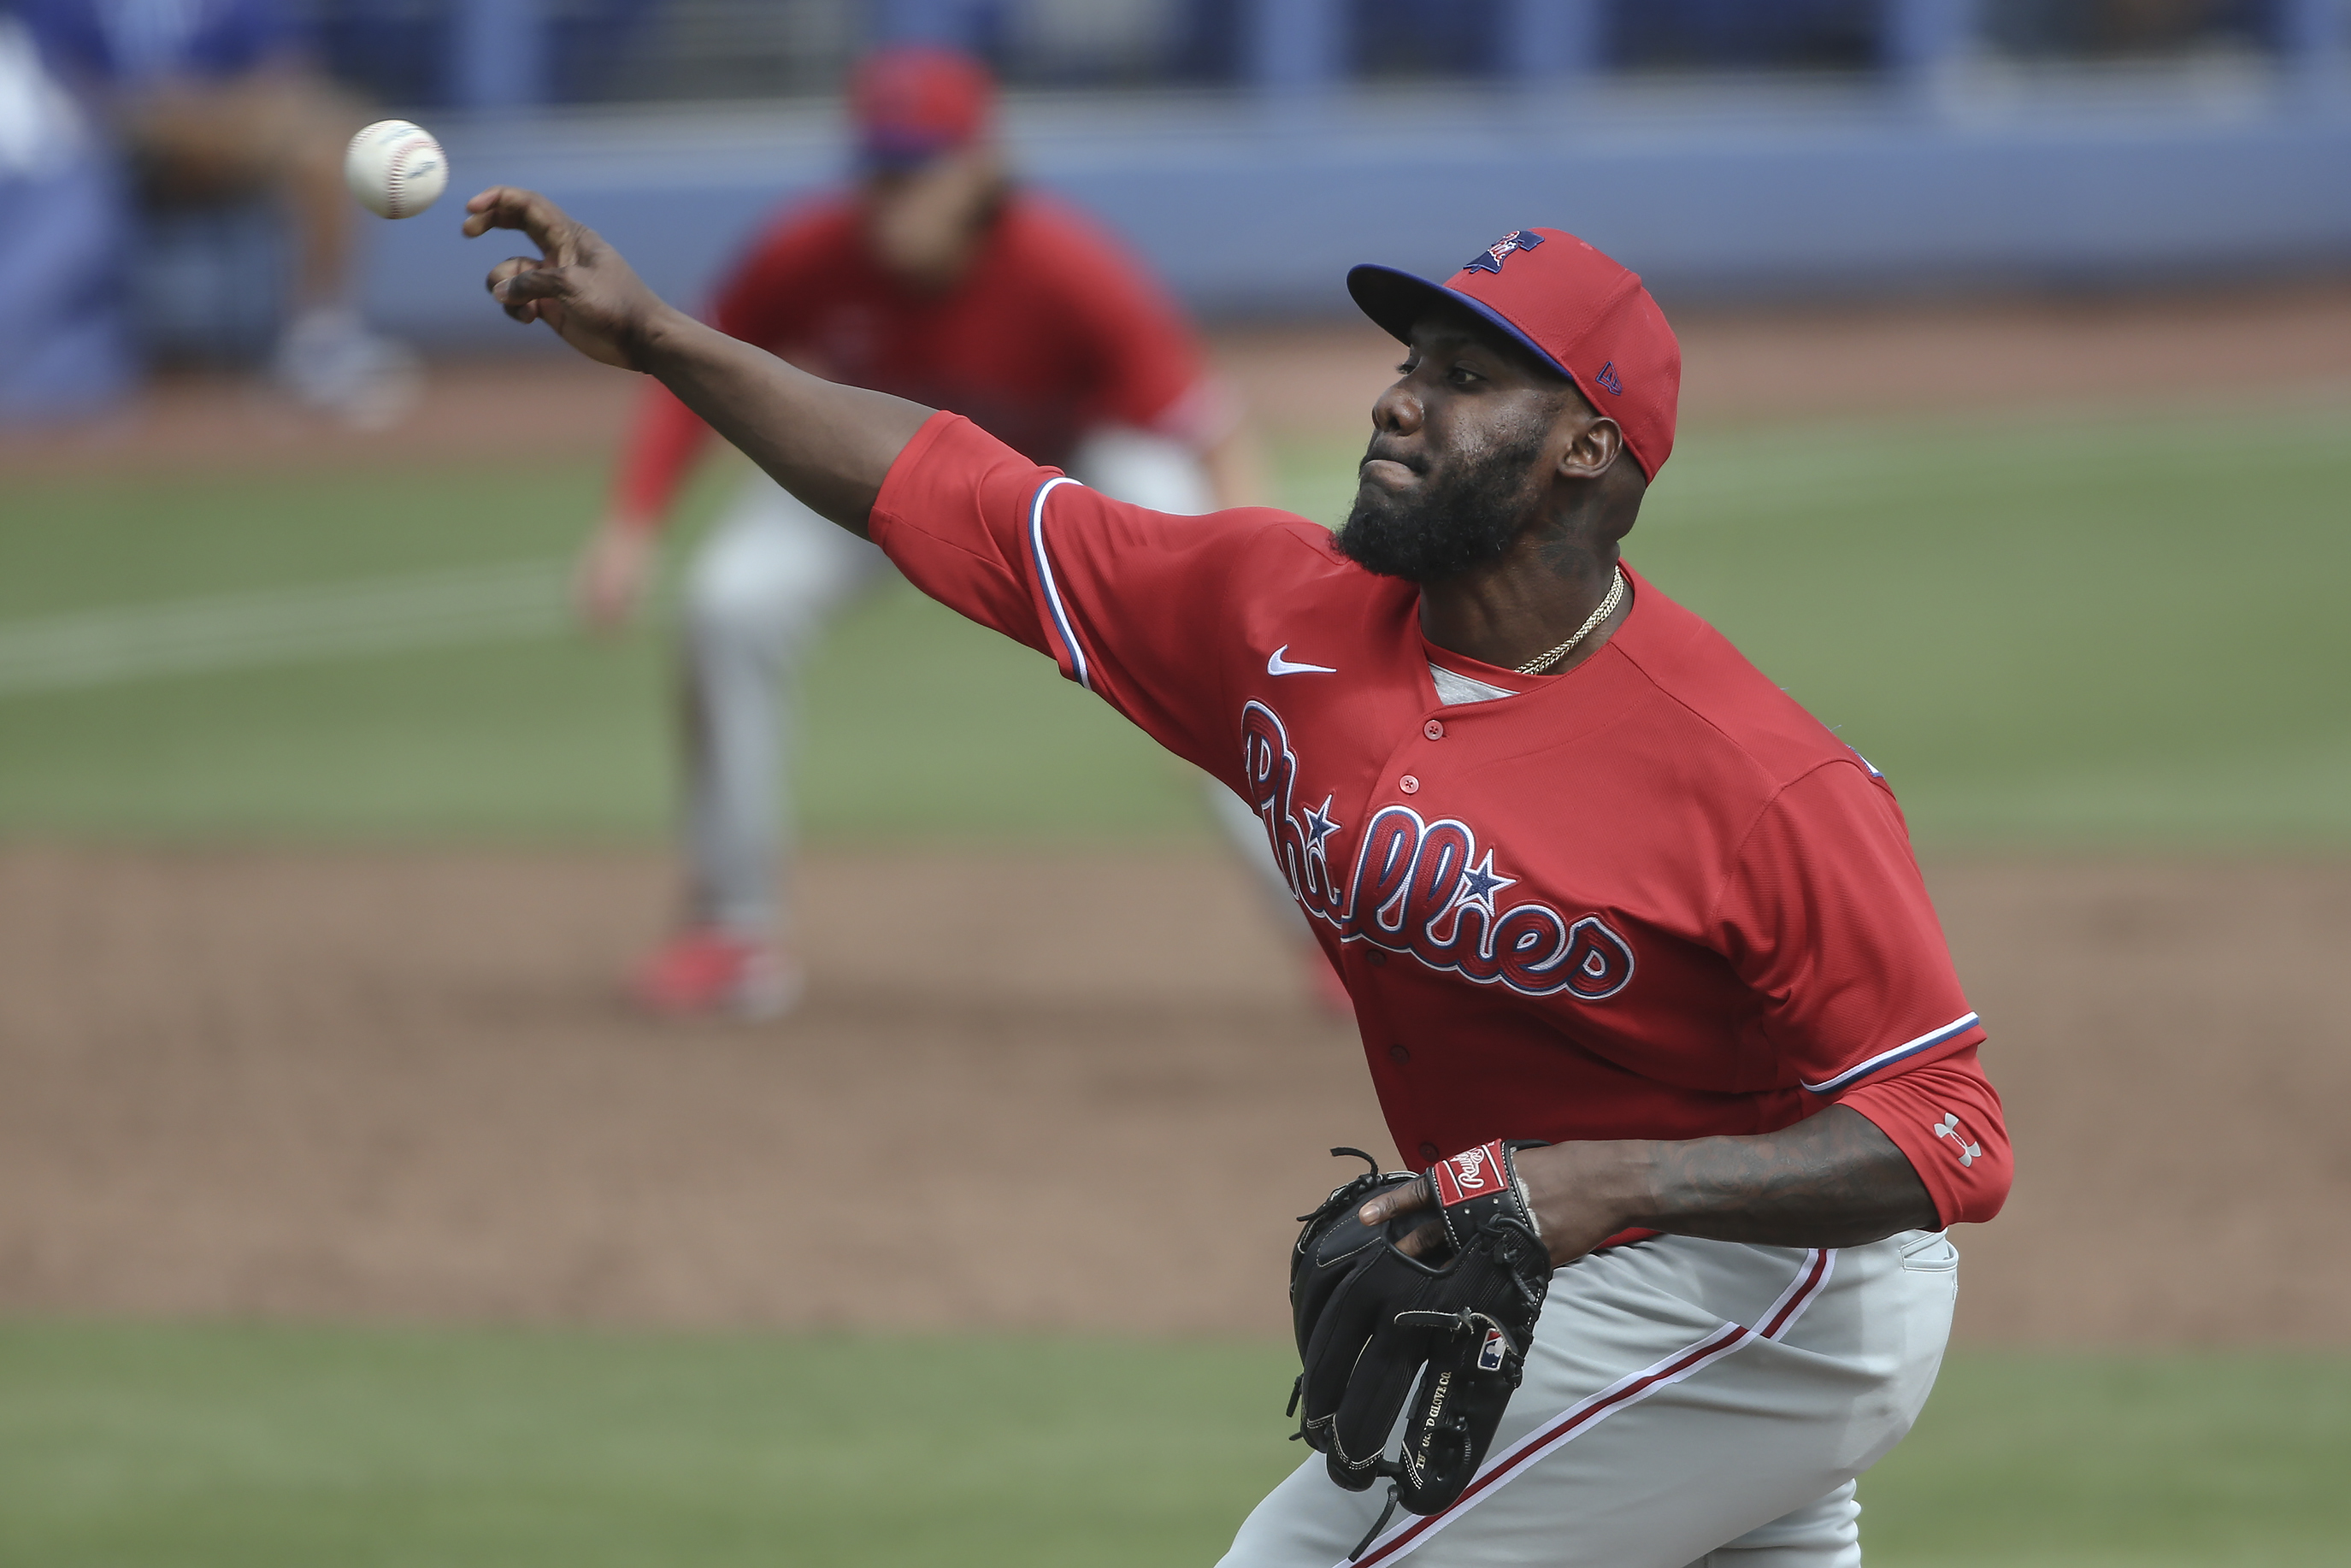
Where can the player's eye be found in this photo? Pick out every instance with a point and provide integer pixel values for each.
(1406, 368)
(1462, 375)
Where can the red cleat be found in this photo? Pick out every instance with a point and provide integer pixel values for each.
(705, 972)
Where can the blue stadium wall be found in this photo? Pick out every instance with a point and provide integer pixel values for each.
(1251, 211)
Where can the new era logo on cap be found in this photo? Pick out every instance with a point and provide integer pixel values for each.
(1574, 308)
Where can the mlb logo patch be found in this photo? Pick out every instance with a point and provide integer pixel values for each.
(1473, 1172)
(1490, 1353)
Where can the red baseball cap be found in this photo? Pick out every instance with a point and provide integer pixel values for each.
(910, 102)
(1575, 307)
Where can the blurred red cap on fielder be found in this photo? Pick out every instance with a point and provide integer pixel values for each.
(910, 102)
(1576, 307)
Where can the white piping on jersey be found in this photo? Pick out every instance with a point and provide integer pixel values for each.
(1454, 688)
(1499, 1470)
(1052, 590)
(1933, 1037)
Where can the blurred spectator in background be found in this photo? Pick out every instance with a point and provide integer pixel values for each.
(936, 278)
(64, 348)
(214, 101)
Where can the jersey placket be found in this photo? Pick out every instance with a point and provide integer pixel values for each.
(1413, 775)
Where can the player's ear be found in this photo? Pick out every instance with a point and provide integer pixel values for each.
(1593, 449)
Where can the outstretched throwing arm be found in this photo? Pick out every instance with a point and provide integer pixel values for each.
(830, 445)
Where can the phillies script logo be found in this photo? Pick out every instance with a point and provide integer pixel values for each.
(1423, 888)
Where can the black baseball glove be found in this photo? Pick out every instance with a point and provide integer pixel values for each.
(1370, 1319)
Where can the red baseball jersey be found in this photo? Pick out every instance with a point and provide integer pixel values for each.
(1651, 897)
(1054, 330)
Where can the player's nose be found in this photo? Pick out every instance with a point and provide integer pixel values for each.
(1396, 410)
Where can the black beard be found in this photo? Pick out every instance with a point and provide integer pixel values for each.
(1445, 526)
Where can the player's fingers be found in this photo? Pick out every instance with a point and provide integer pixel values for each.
(527, 288)
(499, 207)
(1412, 1196)
(511, 207)
(1422, 1240)
(522, 277)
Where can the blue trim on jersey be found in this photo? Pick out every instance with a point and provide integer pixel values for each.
(1908, 1048)
(1052, 590)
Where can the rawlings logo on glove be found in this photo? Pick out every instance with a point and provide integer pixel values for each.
(1370, 1319)
(1467, 1175)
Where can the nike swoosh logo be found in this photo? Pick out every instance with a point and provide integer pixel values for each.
(1275, 664)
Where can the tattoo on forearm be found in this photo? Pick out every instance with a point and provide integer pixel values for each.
(1831, 1180)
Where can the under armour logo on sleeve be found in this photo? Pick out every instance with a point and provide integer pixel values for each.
(1949, 1127)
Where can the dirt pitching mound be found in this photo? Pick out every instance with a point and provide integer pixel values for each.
(393, 1085)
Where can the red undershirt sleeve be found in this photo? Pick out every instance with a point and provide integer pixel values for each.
(661, 446)
(763, 302)
(1946, 1116)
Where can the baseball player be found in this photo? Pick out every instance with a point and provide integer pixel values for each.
(937, 280)
(1588, 875)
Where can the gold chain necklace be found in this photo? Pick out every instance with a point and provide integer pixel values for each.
(1616, 594)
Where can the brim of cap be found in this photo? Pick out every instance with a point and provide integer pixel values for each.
(1396, 299)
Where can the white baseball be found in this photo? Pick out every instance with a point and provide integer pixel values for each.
(395, 169)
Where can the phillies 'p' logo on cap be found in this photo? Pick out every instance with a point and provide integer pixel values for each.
(1490, 258)
(1577, 309)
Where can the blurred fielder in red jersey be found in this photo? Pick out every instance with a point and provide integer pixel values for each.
(938, 280)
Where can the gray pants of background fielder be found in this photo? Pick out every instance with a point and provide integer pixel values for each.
(1688, 1404)
(757, 594)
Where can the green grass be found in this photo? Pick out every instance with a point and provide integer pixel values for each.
(918, 722)
(2097, 631)
(122, 1447)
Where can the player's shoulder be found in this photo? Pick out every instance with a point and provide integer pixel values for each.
(1726, 711)
(824, 224)
(1052, 237)
(1265, 534)
(1254, 552)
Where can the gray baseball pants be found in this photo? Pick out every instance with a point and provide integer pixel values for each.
(1688, 1404)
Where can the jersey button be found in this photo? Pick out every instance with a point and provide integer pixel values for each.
(1375, 958)
(1428, 1152)
(1434, 730)
(1399, 1052)
(1408, 784)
